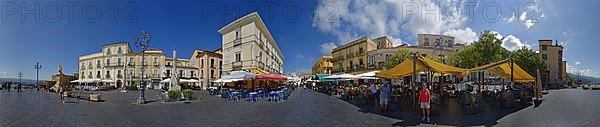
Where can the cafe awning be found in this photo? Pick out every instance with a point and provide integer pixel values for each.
(406, 68)
(341, 76)
(502, 69)
(258, 71)
(271, 76)
(321, 78)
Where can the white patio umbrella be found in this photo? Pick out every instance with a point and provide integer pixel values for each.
(368, 75)
(341, 76)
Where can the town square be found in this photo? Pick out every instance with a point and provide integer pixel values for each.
(317, 63)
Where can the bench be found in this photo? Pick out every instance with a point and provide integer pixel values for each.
(95, 97)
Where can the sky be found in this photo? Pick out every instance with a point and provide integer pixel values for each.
(54, 32)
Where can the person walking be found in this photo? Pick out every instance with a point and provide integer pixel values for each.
(61, 92)
(424, 101)
(384, 96)
(19, 87)
(373, 94)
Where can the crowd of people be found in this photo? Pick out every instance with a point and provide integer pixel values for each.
(8, 86)
(424, 96)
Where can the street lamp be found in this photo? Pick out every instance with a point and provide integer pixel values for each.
(37, 68)
(143, 43)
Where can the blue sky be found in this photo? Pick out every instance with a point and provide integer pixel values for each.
(303, 29)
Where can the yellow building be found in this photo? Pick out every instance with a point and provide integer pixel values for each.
(553, 55)
(210, 64)
(352, 57)
(378, 58)
(323, 65)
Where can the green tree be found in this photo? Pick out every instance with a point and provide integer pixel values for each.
(397, 58)
(487, 49)
(528, 60)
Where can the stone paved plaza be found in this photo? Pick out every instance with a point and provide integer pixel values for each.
(567, 107)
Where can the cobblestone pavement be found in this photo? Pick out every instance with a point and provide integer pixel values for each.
(568, 107)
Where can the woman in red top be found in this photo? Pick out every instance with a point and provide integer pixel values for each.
(424, 101)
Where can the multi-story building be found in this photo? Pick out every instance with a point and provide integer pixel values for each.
(378, 58)
(438, 41)
(556, 74)
(209, 64)
(118, 65)
(323, 65)
(248, 45)
(185, 70)
(352, 57)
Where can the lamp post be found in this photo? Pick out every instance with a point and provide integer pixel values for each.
(143, 43)
(37, 68)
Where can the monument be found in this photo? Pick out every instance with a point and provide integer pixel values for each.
(61, 79)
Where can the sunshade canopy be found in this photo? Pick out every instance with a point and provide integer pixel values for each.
(239, 75)
(341, 76)
(321, 78)
(271, 76)
(406, 68)
(502, 69)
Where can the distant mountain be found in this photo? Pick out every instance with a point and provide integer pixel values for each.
(585, 78)
(24, 81)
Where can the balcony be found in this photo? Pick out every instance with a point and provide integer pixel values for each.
(119, 76)
(237, 42)
(131, 64)
(237, 64)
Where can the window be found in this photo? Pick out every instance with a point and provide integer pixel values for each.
(108, 51)
(212, 73)
(220, 64)
(238, 57)
(426, 43)
(119, 50)
(237, 35)
(192, 74)
(378, 43)
(98, 74)
(131, 61)
(98, 63)
(201, 72)
(155, 74)
(118, 73)
(119, 61)
(545, 57)
(155, 60)
(108, 62)
(360, 50)
(107, 74)
(212, 63)
(201, 63)
(544, 47)
(168, 73)
(180, 73)
(259, 56)
(82, 75)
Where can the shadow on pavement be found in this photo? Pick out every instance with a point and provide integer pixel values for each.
(452, 113)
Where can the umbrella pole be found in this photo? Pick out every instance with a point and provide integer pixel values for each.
(414, 78)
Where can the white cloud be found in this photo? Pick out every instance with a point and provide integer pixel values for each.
(498, 35)
(298, 55)
(512, 19)
(531, 14)
(327, 47)
(584, 72)
(350, 19)
(512, 43)
(577, 63)
(463, 36)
